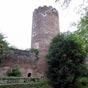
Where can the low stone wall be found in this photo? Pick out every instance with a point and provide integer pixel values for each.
(18, 80)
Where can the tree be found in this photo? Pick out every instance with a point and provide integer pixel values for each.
(83, 29)
(67, 2)
(81, 7)
(65, 59)
(3, 46)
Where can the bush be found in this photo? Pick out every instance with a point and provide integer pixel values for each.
(14, 72)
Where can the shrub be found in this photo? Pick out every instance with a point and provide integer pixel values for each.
(36, 52)
(13, 72)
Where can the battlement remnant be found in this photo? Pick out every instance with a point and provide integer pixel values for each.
(45, 9)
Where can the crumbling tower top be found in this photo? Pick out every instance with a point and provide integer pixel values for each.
(45, 9)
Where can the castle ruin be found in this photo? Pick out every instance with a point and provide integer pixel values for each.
(45, 26)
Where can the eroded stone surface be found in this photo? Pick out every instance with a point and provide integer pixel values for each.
(25, 60)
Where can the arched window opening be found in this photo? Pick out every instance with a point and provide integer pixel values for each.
(29, 74)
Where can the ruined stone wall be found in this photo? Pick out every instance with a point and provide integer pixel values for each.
(25, 60)
(45, 26)
(20, 57)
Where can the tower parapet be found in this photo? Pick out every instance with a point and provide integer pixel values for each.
(46, 10)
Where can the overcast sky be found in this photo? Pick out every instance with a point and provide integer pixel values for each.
(16, 19)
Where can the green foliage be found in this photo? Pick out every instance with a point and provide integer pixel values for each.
(84, 71)
(3, 43)
(65, 59)
(83, 82)
(83, 29)
(12, 48)
(14, 72)
(3, 47)
(83, 79)
(36, 51)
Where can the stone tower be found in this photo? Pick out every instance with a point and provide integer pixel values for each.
(45, 26)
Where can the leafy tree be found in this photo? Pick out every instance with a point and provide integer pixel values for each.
(83, 29)
(65, 60)
(67, 2)
(3, 42)
(3, 46)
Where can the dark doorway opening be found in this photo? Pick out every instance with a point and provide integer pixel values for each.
(29, 74)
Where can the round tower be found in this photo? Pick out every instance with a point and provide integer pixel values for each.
(45, 26)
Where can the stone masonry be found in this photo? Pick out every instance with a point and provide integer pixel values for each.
(25, 60)
(45, 26)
